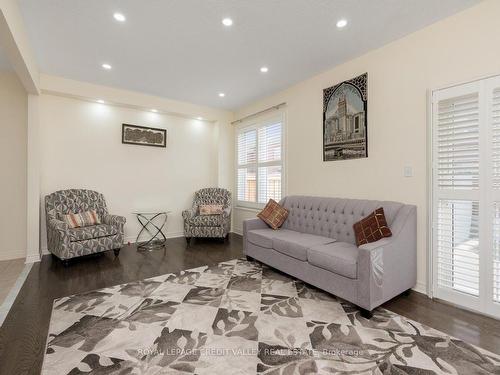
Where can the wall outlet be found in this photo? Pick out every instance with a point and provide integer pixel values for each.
(408, 171)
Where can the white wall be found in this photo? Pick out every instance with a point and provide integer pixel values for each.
(13, 149)
(458, 48)
(81, 148)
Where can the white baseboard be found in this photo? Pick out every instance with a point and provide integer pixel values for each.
(420, 287)
(32, 258)
(238, 231)
(12, 254)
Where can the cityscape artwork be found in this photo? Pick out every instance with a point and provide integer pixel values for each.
(345, 108)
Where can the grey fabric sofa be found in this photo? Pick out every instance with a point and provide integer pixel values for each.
(317, 245)
(208, 226)
(67, 243)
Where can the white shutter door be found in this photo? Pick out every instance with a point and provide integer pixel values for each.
(493, 95)
(456, 191)
(466, 195)
(458, 143)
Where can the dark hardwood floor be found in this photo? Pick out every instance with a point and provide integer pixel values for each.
(23, 334)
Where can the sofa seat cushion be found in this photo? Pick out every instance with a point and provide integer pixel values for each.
(206, 221)
(339, 257)
(288, 242)
(91, 232)
(295, 244)
(264, 237)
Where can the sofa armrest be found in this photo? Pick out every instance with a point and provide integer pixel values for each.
(251, 224)
(375, 245)
(388, 267)
(57, 237)
(188, 214)
(226, 212)
(114, 220)
(58, 226)
(248, 225)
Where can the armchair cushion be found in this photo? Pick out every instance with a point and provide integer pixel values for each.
(82, 219)
(372, 228)
(273, 214)
(91, 232)
(211, 209)
(206, 221)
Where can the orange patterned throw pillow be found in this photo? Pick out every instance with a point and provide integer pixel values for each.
(273, 214)
(372, 228)
(83, 219)
(211, 209)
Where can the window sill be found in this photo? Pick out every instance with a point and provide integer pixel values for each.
(251, 209)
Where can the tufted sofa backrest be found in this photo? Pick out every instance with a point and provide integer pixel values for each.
(74, 201)
(332, 217)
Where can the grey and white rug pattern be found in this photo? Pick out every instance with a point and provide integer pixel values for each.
(241, 317)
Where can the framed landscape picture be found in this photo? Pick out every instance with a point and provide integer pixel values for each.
(144, 136)
(345, 120)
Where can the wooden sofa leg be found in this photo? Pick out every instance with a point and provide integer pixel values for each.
(249, 258)
(407, 292)
(65, 262)
(117, 252)
(367, 314)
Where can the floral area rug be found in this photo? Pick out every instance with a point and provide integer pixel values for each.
(241, 317)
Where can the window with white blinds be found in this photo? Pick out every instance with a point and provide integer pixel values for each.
(259, 153)
(496, 252)
(495, 159)
(466, 194)
(458, 245)
(458, 143)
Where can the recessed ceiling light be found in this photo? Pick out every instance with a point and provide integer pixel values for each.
(119, 17)
(221, 94)
(227, 21)
(106, 66)
(264, 69)
(100, 101)
(154, 110)
(341, 23)
(199, 118)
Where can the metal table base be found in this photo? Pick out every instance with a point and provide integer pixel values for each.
(158, 239)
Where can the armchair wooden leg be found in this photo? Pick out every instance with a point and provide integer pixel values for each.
(65, 262)
(188, 240)
(117, 252)
(367, 314)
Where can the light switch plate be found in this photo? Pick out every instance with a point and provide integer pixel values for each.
(408, 171)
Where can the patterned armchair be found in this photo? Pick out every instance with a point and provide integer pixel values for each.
(213, 226)
(65, 242)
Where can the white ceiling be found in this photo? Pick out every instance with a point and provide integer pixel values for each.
(179, 49)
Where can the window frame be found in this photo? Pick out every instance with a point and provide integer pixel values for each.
(485, 194)
(255, 124)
